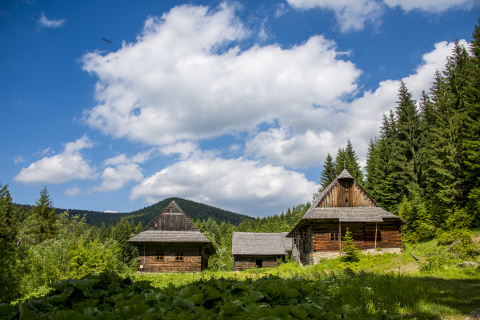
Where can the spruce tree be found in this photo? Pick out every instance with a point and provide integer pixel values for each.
(373, 178)
(407, 144)
(328, 173)
(472, 136)
(44, 214)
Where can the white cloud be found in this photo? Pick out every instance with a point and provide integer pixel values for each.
(73, 192)
(239, 185)
(121, 170)
(312, 133)
(63, 167)
(115, 178)
(431, 6)
(279, 146)
(350, 15)
(184, 79)
(43, 22)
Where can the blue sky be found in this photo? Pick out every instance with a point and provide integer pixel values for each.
(232, 104)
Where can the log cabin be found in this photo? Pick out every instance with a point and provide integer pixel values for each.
(171, 243)
(259, 250)
(344, 204)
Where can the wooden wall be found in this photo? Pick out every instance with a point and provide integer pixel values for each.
(171, 222)
(194, 259)
(247, 262)
(346, 193)
(388, 235)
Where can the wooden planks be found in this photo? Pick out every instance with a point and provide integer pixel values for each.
(193, 259)
(388, 235)
(346, 193)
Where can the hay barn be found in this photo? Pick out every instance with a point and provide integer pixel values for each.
(259, 250)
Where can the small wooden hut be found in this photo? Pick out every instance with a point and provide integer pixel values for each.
(171, 243)
(344, 204)
(259, 250)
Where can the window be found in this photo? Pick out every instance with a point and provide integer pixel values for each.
(160, 256)
(333, 234)
(179, 256)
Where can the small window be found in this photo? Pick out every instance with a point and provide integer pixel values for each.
(160, 256)
(333, 234)
(179, 256)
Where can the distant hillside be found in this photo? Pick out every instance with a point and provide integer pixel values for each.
(192, 209)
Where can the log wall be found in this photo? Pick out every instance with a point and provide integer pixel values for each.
(194, 259)
(248, 262)
(388, 235)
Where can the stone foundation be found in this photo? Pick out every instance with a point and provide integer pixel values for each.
(315, 257)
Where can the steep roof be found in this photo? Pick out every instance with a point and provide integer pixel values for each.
(170, 236)
(345, 214)
(171, 218)
(252, 243)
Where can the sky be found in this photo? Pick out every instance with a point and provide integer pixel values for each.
(116, 105)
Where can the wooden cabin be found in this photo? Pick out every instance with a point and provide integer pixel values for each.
(171, 243)
(344, 204)
(259, 250)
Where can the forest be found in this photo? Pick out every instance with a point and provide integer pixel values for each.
(424, 166)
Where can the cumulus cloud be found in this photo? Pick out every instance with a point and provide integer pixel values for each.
(431, 6)
(63, 167)
(240, 185)
(121, 170)
(43, 22)
(314, 132)
(185, 78)
(350, 15)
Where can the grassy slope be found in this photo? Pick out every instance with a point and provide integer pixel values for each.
(390, 282)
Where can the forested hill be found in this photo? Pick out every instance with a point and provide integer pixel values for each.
(192, 209)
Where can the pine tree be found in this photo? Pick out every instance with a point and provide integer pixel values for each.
(9, 276)
(328, 173)
(407, 144)
(472, 137)
(45, 216)
(352, 162)
(349, 248)
(347, 159)
(373, 178)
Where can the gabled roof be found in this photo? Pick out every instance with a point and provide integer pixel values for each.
(172, 210)
(344, 214)
(253, 243)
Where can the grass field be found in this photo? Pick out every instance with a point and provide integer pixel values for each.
(388, 286)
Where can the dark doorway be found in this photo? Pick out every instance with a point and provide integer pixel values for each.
(258, 262)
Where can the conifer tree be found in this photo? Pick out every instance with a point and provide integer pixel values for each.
(448, 133)
(44, 215)
(373, 178)
(328, 174)
(472, 136)
(407, 144)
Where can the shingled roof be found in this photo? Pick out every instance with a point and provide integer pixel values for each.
(170, 236)
(252, 243)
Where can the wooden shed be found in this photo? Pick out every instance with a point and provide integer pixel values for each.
(171, 243)
(259, 250)
(344, 204)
